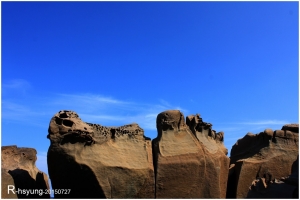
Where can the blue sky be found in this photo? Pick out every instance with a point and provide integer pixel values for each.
(114, 63)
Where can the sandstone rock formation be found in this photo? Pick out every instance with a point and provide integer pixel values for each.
(266, 156)
(18, 171)
(189, 159)
(95, 161)
(283, 188)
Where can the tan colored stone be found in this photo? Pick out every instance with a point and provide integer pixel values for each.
(190, 160)
(95, 161)
(269, 155)
(18, 171)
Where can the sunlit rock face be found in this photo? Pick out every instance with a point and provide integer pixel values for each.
(95, 161)
(265, 157)
(18, 171)
(189, 158)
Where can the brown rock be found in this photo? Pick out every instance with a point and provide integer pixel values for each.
(18, 172)
(283, 188)
(291, 127)
(95, 161)
(269, 155)
(190, 160)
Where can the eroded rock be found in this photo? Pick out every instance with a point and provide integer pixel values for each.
(264, 157)
(283, 188)
(95, 161)
(18, 172)
(190, 160)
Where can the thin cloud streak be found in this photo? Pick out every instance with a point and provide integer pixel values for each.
(106, 111)
(91, 117)
(88, 106)
(266, 122)
(260, 122)
(237, 130)
(16, 84)
(15, 112)
(89, 98)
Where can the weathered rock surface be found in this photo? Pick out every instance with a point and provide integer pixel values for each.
(283, 188)
(189, 159)
(266, 156)
(95, 161)
(18, 171)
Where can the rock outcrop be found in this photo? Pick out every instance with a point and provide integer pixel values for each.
(263, 157)
(283, 188)
(20, 178)
(95, 161)
(189, 158)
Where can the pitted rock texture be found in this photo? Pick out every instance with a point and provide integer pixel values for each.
(269, 155)
(18, 171)
(95, 161)
(190, 160)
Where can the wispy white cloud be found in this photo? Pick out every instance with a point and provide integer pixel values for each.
(94, 117)
(89, 103)
(14, 107)
(91, 98)
(17, 112)
(236, 130)
(91, 108)
(18, 87)
(265, 122)
(16, 84)
(100, 109)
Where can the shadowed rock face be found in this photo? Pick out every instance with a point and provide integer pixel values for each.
(266, 156)
(190, 160)
(95, 161)
(18, 170)
(285, 187)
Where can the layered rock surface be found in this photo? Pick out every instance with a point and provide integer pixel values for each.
(189, 159)
(95, 161)
(266, 156)
(18, 171)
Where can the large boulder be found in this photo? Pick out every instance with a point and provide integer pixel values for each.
(95, 161)
(20, 178)
(266, 156)
(189, 159)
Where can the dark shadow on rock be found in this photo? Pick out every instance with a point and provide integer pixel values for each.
(231, 185)
(26, 186)
(41, 184)
(72, 179)
(246, 147)
(295, 172)
(295, 166)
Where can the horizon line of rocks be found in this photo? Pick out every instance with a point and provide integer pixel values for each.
(96, 161)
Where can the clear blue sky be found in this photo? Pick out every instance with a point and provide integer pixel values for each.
(234, 63)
